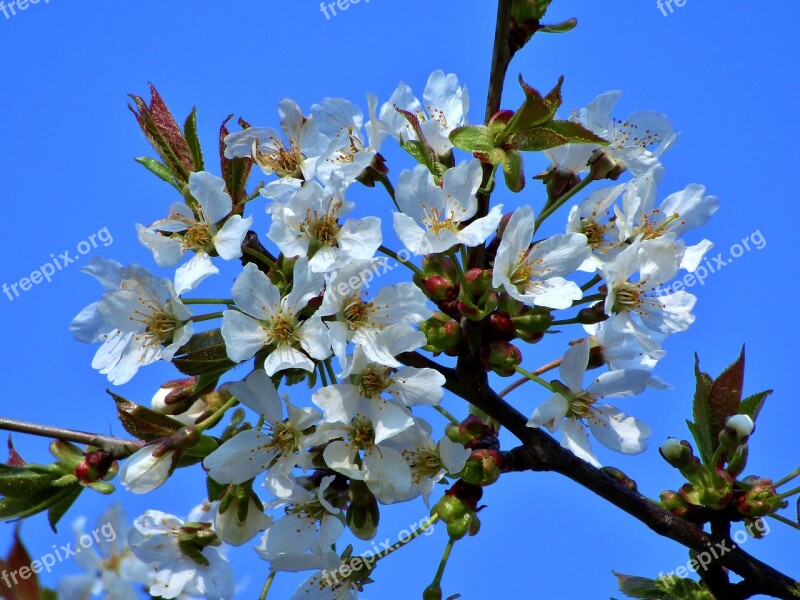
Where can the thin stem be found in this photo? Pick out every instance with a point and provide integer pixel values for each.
(587, 299)
(208, 317)
(207, 301)
(329, 369)
(267, 585)
(393, 254)
(119, 447)
(573, 321)
(400, 543)
(785, 521)
(390, 189)
(788, 478)
(560, 201)
(322, 375)
(790, 493)
(437, 580)
(263, 258)
(215, 417)
(446, 414)
(533, 377)
(591, 283)
(522, 381)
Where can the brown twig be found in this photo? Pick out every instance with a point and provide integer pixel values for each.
(119, 447)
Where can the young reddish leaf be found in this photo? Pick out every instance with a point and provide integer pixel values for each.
(14, 458)
(726, 395)
(235, 171)
(18, 562)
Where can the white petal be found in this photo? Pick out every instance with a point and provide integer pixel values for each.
(617, 431)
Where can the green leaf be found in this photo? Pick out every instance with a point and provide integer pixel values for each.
(473, 138)
(536, 139)
(536, 109)
(21, 482)
(59, 508)
(143, 423)
(726, 395)
(159, 169)
(701, 428)
(204, 355)
(414, 148)
(639, 587)
(752, 405)
(14, 508)
(575, 133)
(190, 132)
(563, 27)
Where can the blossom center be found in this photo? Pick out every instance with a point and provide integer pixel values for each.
(282, 160)
(423, 462)
(282, 329)
(373, 382)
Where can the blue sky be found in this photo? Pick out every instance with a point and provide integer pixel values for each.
(724, 73)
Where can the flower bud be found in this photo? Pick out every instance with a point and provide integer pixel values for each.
(96, 466)
(760, 500)
(737, 431)
(441, 333)
(501, 327)
(676, 503)
(466, 524)
(181, 399)
(592, 315)
(532, 324)
(143, 471)
(449, 508)
(676, 453)
(438, 288)
(501, 357)
(483, 467)
(479, 282)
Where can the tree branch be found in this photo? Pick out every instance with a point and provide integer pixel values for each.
(540, 452)
(118, 447)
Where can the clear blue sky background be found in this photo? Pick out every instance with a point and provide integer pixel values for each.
(726, 74)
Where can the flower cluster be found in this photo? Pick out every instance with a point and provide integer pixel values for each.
(485, 284)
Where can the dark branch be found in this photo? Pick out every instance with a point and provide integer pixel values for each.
(540, 452)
